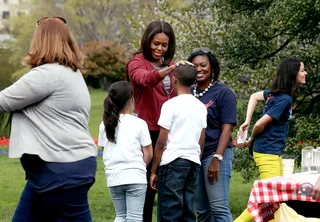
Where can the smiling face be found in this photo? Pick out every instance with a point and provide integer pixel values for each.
(301, 76)
(203, 68)
(159, 46)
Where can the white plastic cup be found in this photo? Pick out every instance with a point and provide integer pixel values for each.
(243, 138)
(288, 166)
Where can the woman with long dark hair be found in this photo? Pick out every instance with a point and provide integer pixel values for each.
(268, 136)
(150, 71)
(127, 152)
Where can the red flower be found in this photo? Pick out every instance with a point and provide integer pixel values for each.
(4, 141)
(95, 141)
(234, 142)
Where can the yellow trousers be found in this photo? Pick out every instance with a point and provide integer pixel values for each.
(269, 165)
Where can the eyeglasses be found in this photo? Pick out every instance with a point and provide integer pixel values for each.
(306, 189)
(44, 18)
(205, 50)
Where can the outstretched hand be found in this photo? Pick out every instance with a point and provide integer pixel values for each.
(184, 62)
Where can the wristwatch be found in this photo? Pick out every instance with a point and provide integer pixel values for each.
(218, 156)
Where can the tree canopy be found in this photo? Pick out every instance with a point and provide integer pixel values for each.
(250, 38)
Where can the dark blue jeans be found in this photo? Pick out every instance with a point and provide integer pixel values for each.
(69, 205)
(177, 183)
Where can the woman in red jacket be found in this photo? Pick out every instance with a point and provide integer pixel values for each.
(150, 72)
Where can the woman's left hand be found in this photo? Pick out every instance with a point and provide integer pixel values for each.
(213, 170)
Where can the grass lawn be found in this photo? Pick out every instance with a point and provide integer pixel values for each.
(12, 180)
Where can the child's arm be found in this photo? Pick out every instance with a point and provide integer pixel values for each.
(160, 147)
(201, 141)
(147, 153)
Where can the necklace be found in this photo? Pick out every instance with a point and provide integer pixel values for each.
(204, 91)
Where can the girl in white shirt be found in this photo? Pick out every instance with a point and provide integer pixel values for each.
(127, 152)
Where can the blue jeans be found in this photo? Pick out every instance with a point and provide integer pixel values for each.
(212, 200)
(59, 205)
(128, 201)
(177, 182)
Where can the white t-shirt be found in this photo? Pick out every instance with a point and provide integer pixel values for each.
(102, 135)
(124, 160)
(185, 117)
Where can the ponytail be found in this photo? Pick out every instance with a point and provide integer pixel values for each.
(119, 95)
(110, 118)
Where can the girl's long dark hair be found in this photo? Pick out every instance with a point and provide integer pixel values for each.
(119, 94)
(285, 78)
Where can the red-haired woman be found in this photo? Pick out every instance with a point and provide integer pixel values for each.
(49, 133)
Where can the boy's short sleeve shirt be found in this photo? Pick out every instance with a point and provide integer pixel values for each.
(166, 116)
(184, 117)
(273, 138)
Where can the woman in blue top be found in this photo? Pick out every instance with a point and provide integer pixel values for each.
(268, 137)
(212, 195)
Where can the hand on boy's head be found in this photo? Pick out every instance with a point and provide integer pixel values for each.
(184, 62)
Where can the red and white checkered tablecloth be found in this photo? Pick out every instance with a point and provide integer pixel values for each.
(267, 194)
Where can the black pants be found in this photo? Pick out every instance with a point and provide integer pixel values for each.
(151, 193)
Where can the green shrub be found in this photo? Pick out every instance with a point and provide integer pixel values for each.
(244, 163)
(307, 127)
(303, 131)
(104, 59)
(5, 124)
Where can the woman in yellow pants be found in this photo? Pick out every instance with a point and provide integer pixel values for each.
(268, 137)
